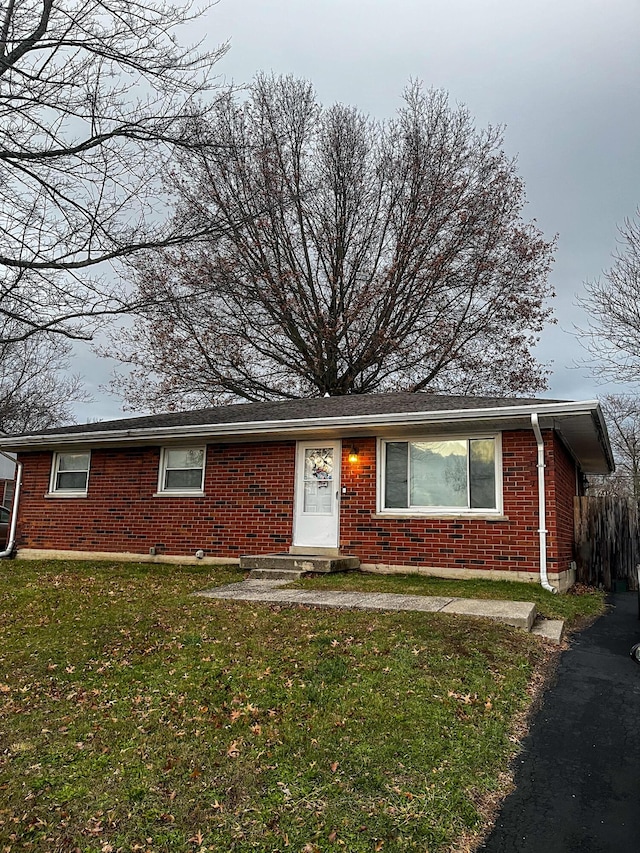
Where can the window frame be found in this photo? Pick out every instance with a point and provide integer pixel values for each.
(417, 511)
(54, 488)
(162, 471)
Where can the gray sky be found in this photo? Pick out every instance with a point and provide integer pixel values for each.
(563, 76)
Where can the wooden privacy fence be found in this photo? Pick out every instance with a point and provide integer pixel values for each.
(607, 541)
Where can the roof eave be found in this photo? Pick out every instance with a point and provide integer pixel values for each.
(302, 427)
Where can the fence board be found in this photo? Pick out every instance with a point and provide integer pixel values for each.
(607, 538)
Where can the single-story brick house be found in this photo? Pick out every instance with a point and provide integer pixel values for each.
(446, 485)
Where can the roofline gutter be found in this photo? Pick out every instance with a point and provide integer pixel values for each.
(11, 537)
(542, 505)
(298, 426)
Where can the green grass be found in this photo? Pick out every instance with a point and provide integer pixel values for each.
(574, 607)
(137, 717)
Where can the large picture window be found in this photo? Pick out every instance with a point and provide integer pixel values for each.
(70, 474)
(182, 470)
(453, 474)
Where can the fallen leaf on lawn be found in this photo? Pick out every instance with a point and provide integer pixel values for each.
(335, 766)
(198, 838)
(234, 750)
(332, 836)
(379, 846)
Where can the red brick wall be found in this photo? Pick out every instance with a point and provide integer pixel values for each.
(248, 508)
(562, 487)
(509, 543)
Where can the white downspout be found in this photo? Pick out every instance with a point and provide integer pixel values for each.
(11, 537)
(542, 506)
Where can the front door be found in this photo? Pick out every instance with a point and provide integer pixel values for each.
(317, 495)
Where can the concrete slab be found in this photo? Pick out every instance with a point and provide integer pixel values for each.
(299, 562)
(520, 614)
(276, 574)
(394, 601)
(549, 629)
(242, 589)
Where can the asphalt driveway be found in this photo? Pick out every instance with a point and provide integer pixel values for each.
(578, 777)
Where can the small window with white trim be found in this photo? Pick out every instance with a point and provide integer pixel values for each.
(451, 475)
(182, 470)
(70, 474)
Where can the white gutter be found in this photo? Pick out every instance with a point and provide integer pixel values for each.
(299, 425)
(11, 535)
(542, 506)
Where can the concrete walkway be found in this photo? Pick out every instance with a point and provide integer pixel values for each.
(520, 614)
(578, 777)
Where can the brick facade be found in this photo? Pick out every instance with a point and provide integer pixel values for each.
(248, 508)
(510, 542)
(564, 485)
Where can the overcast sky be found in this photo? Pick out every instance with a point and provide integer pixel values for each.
(563, 76)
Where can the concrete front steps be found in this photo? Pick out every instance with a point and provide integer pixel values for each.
(549, 629)
(293, 566)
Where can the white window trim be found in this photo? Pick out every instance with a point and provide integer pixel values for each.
(55, 492)
(440, 512)
(178, 493)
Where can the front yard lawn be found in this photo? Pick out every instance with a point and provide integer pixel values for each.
(136, 717)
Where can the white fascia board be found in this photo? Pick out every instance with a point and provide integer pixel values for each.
(190, 432)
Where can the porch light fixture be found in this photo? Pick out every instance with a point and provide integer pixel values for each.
(353, 454)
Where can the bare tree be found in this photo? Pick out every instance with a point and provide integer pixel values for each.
(95, 97)
(613, 304)
(623, 418)
(36, 389)
(358, 256)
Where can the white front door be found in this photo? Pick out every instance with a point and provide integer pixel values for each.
(317, 494)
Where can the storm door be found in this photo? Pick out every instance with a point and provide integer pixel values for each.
(317, 495)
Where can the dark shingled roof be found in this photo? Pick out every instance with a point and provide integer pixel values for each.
(351, 405)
